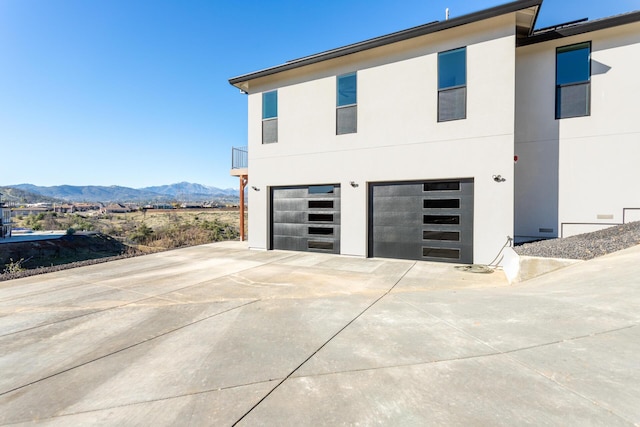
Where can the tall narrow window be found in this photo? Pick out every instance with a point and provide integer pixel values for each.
(452, 85)
(346, 104)
(573, 80)
(270, 117)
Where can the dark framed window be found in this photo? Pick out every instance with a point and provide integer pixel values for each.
(347, 104)
(320, 204)
(270, 117)
(441, 219)
(441, 253)
(452, 85)
(573, 80)
(441, 186)
(321, 189)
(317, 217)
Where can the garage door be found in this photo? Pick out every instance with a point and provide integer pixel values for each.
(427, 220)
(306, 218)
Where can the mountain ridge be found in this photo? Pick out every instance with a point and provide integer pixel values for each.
(181, 191)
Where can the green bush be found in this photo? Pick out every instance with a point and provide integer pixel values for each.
(142, 234)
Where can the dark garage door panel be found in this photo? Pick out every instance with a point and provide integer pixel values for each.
(423, 220)
(306, 218)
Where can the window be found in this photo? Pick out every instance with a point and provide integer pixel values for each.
(441, 186)
(320, 204)
(573, 80)
(313, 217)
(327, 246)
(441, 219)
(321, 189)
(270, 117)
(441, 253)
(346, 104)
(452, 85)
(441, 203)
(324, 231)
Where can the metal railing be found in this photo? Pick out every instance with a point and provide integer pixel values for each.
(239, 157)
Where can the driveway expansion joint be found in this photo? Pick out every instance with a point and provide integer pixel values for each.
(511, 355)
(387, 292)
(128, 347)
(461, 358)
(143, 402)
(569, 343)
(158, 296)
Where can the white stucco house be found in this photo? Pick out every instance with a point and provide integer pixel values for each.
(443, 141)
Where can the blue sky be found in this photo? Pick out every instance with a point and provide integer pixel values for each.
(135, 92)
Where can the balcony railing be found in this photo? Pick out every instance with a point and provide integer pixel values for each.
(239, 158)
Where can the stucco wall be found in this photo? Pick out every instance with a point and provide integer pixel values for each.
(578, 174)
(398, 135)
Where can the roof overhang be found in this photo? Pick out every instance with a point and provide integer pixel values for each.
(526, 15)
(579, 27)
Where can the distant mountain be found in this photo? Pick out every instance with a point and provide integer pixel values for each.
(89, 193)
(192, 191)
(18, 196)
(181, 192)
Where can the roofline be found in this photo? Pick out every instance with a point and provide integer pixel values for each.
(398, 36)
(580, 28)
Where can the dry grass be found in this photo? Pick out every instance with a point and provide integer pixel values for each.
(151, 230)
(135, 233)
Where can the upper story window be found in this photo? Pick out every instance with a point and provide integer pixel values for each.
(452, 84)
(346, 104)
(270, 117)
(573, 80)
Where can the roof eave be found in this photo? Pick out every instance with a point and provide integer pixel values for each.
(587, 27)
(515, 6)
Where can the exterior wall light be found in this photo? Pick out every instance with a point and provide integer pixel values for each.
(498, 178)
(354, 184)
(254, 188)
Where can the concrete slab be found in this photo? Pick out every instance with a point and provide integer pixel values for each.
(67, 303)
(212, 408)
(600, 368)
(426, 276)
(93, 337)
(492, 390)
(218, 334)
(255, 343)
(508, 321)
(393, 333)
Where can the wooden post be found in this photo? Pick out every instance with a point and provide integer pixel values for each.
(243, 184)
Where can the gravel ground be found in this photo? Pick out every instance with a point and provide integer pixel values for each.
(585, 246)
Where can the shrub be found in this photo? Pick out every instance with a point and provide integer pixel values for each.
(142, 234)
(13, 266)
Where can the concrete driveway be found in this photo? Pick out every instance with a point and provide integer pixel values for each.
(218, 335)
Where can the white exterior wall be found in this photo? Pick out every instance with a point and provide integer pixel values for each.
(399, 137)
(578, 174)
